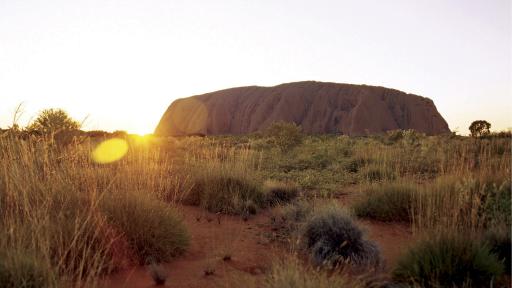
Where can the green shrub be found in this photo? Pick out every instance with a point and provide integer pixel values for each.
(334, 239)
(497, 206)
(448, 260)
(387, 202)
(280, 192)
(152, 228)
(499, 240)
(284, 135)
(226, 192)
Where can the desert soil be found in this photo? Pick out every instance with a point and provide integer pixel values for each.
(213, 237)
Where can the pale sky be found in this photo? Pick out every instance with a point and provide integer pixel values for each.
(122, 62)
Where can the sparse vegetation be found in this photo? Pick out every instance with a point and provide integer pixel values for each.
(78, 219)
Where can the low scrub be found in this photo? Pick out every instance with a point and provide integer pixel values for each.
(334, 239)
(153, 229)
(284, 135)
(449, 260)
(280, 192)
(376, 173)
(226, 192)
(499, 241)
(497, 203)
(288, 222)
(387, 202)
(25, 269)
(291, 274)
(355, 164)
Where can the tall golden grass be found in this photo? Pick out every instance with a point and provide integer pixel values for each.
(62, 215)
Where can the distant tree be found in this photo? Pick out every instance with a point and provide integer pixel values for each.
(284, 135)
(480, 128)
(52, 121)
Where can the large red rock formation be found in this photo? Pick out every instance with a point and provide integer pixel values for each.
(318, 107)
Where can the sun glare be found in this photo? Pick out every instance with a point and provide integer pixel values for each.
(142, 139)
(110, 151)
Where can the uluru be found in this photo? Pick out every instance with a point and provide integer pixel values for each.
(318, 107)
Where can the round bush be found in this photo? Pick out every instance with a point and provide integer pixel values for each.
(333, 238)
(448, 261)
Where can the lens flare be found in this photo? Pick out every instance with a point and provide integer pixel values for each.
(110, 150)
(190, 116)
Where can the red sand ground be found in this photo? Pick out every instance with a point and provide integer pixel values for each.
(213, 237)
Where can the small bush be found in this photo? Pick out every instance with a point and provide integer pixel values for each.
(500, 243)
(333, 239)
(387, 202)
(152, 228)
(227, 193)
(375, 173)
(280, 192)
(298, 212)
(356, 163)
(21, 268)
(448, 261)
(289, 220)
(497, 206)
(284, 135)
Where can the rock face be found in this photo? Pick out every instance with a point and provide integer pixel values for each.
(318, 107)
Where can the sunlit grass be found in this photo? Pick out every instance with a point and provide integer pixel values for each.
(56, 200)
